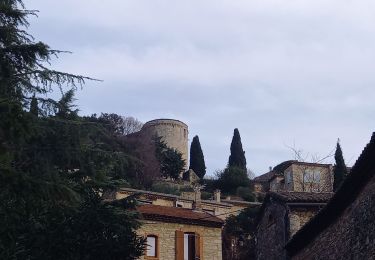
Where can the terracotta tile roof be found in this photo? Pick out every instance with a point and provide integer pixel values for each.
(360, 174)
(293, 196)
(179, 215)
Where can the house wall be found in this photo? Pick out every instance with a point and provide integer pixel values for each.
(274, 232)
(299, 217)
(299, 184)
(167, 241)
(277, 184)
(352, 236)
(271, 232)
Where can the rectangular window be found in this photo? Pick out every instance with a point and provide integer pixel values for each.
(307, 176)
(317, 176)
(151, 246)
(311, 176)
(288, 177)
(189, 246)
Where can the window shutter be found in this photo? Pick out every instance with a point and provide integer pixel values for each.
(198, 247)
(179, 245)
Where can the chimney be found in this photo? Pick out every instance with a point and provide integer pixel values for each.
(197, 204)
(217, 195)
(270, 168)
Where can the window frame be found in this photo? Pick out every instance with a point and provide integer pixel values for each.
(156, 257)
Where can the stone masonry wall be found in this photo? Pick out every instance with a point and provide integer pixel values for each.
(271, 236)
(326, 179)
(352, 236)
(173, 132)
(166, 235)
(298, 218)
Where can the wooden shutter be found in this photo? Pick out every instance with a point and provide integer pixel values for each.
(198, 247)
(179, 245)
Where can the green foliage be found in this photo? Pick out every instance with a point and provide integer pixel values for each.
(340, 170)
(206, 195)
(237, 154)
(246, 193)
(163, 187)
(119, 125)
(197, 163)
(171, 162)
(241, 229)
(53, 167)
(232, 178)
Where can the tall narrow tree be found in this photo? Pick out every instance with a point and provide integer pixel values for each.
(237, 154)
(197, 163)
(34, 106)
(340, 170)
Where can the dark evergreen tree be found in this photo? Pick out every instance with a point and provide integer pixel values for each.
(231, 178)
(34, 106)
(197, 163)
(340, 170)
(53, 167)
(171, 162)
(237, 154)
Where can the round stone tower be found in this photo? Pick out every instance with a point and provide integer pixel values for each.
(173, 132)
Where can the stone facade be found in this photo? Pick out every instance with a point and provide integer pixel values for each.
(173, 132)
(309, 177)
(271, 233)
(281, 216)
(298, 217)
(296, 176)
(345, 228)
(166, 233)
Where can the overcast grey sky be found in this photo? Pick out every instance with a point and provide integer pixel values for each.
(282, 71)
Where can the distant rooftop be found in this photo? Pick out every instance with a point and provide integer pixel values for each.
(179, 215)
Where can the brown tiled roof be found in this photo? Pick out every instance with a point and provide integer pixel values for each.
(179, 215)
(283, 166)
(360, 174)
(293, 196)
(265, 177)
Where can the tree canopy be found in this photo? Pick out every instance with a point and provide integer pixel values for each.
(197, 163)
(170, 159)
(54, 165)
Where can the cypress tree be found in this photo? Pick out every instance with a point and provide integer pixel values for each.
(197, 163)
(340, 170)
(237, 154)
(34, 106)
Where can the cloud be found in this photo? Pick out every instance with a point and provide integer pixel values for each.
(281, 71)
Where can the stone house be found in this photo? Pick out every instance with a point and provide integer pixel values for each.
(345, 228)
(282, 214)
(296, 176)
(180, 234)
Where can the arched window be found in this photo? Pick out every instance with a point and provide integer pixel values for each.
(152, 246)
